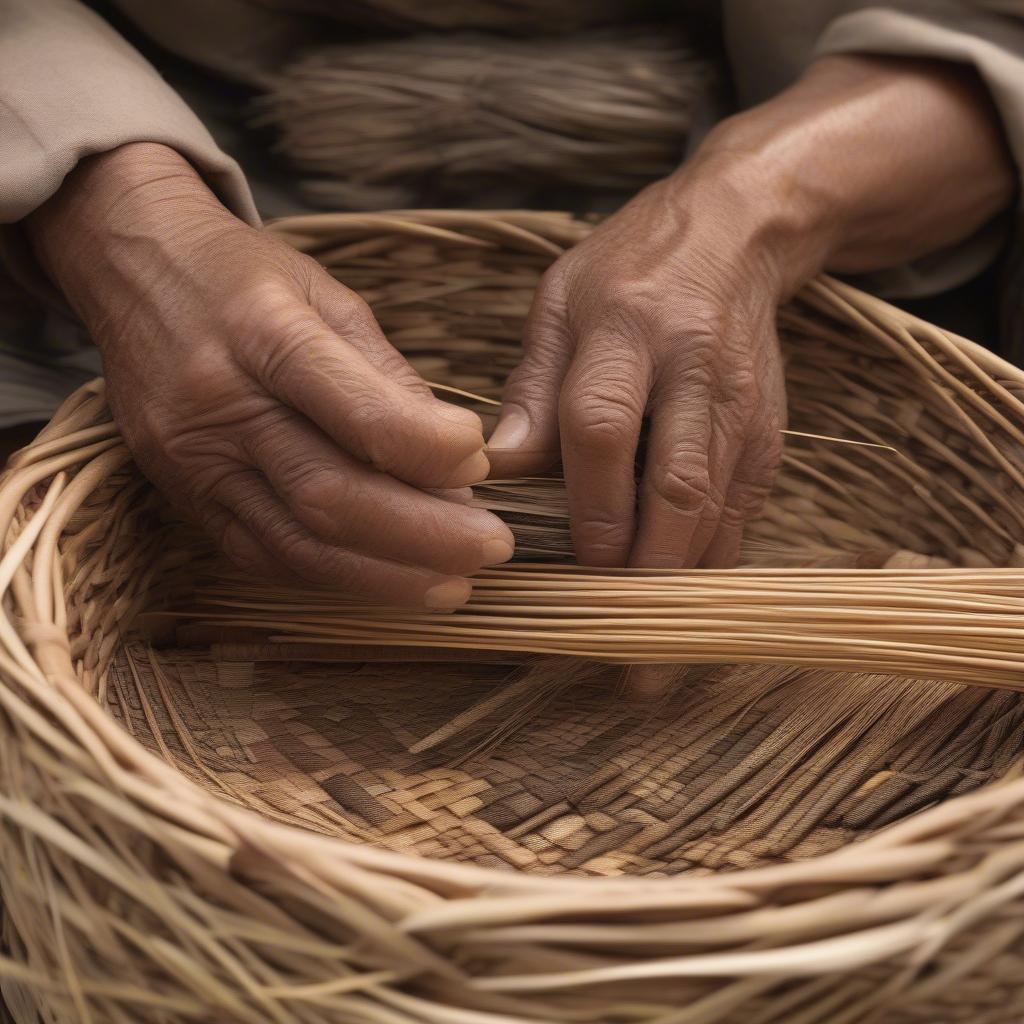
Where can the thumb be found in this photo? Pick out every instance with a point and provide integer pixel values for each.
(525, 441)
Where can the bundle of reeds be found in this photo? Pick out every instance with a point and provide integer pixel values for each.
(387, 123)
(300, 821)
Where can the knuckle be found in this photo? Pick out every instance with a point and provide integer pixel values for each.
(371, 421)
(693, 342)
(217, 477)
(205, 374)
(604, 542)
(734, 516)
(705, 323)
(319, 563)
(751, 501)
(354, 312)
(687, 486)
(531, 381)
(595, 429)
(267, 439)
(200, 448)
(687, 374)
(742, 381)
(286, 345)
(261, 301)
(317, 494)
(599, 413)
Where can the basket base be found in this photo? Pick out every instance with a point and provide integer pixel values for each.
(549, 768)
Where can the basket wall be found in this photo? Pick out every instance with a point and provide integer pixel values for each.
(139, 887)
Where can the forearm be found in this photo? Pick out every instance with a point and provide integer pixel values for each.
(118, 223)
(877, 161)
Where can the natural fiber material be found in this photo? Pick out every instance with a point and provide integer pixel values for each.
(265, 831)
(385, 123)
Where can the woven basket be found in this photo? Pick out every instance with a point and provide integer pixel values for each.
(385, 123)
(264, 831)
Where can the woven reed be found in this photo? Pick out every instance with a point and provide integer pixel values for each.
(380, 124)
(259, 831)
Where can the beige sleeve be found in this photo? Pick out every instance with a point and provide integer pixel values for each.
(70, 86)
(771, 44)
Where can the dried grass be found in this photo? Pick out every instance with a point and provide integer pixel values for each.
(379, 124)
(187, 837)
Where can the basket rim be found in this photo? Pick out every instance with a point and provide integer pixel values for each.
(918, 841)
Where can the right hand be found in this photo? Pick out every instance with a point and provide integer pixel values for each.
(260, 395)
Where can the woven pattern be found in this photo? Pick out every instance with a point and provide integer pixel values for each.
(577, 780)
(224, 833)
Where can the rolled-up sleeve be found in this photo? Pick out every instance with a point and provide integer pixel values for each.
(771, 44)
(70, 86)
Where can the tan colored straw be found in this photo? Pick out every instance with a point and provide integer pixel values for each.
(388, 122)
(278, 824)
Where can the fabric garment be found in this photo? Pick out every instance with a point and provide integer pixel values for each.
(71, 86)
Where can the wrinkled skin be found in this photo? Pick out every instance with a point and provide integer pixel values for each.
(667, 312)
(262, 397)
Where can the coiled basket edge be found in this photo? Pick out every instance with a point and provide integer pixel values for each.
(135, 893)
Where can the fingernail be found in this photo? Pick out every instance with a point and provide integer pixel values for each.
(472, 470)
(446, 596)
(512, 430)
(496, 550)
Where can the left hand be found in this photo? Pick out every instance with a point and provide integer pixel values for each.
(667, 311)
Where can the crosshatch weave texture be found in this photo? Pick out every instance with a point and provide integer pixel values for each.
(258, 830)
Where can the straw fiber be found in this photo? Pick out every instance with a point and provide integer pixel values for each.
(223, 801)
(394, 122)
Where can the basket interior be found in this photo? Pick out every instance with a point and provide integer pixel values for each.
(541, 764)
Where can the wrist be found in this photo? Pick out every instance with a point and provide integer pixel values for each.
(141, 197)
(762, 220)
(877, 160)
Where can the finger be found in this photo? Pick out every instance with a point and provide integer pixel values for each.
(248, 497)
(244, 550)
(525, 440)
(350, 317)
(601, 410)
(747, 494)
(346, 503)
(416, 438)
(691, 455)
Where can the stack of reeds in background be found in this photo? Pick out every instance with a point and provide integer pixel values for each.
(387, 123)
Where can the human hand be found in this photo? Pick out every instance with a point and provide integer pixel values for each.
(260, 395)
(666, 312)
